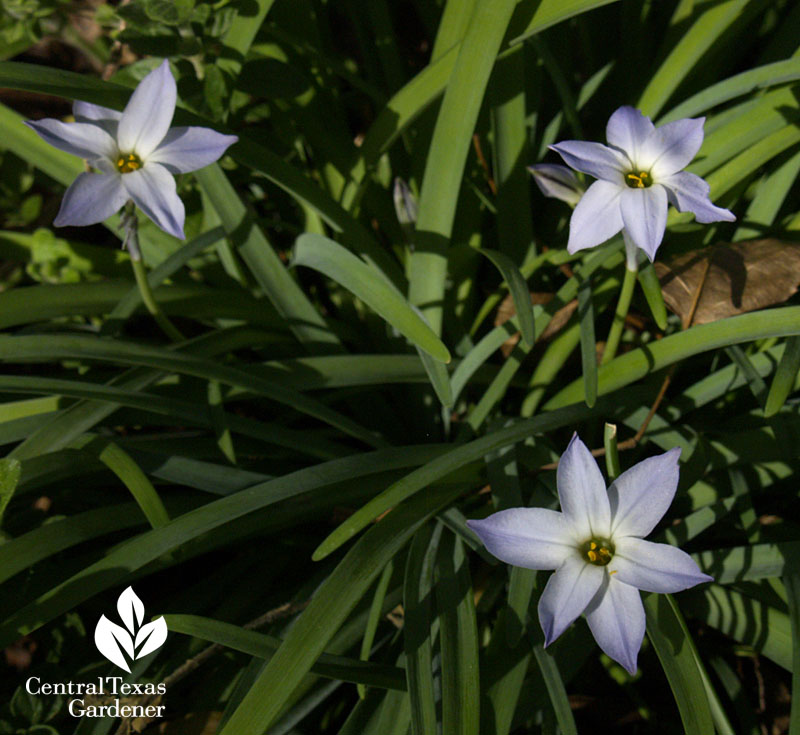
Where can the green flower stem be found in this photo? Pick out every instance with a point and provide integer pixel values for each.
(612, 454)
(150, 303)
(131, 225)
(615, 333)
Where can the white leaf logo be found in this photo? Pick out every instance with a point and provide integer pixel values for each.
(108, 637)
(114, 641)
(151, 636)
(130, 609)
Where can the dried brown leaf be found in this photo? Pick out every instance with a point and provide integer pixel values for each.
(734, 278)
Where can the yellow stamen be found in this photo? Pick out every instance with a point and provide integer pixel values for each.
(127, 162)
(597, 551)
(638, 181)
(614, 572)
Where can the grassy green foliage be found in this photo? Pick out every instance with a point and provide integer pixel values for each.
(374, 332)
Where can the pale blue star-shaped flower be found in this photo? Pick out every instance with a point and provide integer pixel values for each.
(135, 152)
(596, 546)
(638, 174)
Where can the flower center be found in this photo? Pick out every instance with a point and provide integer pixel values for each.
(598, 551)
(638, 181)
(127, 162)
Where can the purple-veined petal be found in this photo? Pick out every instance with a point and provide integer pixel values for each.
(674, 145)
(188, 149)
(153, 190)
(594, 159)
(566, 595)
(641, 495)
(534, 538)
(582, 492)
(628, 129)
(644, 213)
(148, 114)
(689, 193)
(90, 199)
(654, 567)
(616, 619)
(80, 139)
(557, 182)
(596, 218)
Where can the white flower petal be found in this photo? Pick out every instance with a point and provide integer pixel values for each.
(87, 112)
(188, 149)
(105, 166)
(644, 212)
(596, 218)
(654, 567)
(641, 495)
(148, 114)
(80, 139)
(674, 145)
(628, 129)
(594, 159)
(104, 117)
(582, 492)
(534, 538)
(566, 595)
(616, 619)
(153, 189)
(91, 198)
(557, 182)
(689, 193)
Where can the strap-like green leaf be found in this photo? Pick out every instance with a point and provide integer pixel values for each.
(785, 377)
(652, 292)
(146, 547)
(518, 289)
(123, 466)
(417, 632)
(444, 167)
(439, 377)
(676, 651)
(458, 634)
(636, 364)
(263, 646)
(47, 347)
(332, 602)
(369, 285)
(374, 618)
(270, 272)
(768, 75)
(588, 342)
(10, 470)
(443, 466)
(687, 53)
